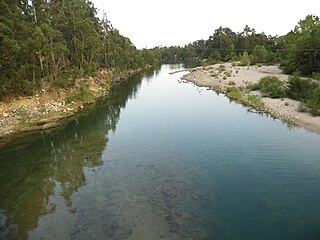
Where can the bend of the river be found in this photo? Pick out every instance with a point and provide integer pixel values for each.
(163, 159)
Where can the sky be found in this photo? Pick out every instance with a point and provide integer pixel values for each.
(178, 22)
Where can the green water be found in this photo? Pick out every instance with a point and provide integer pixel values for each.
(163, 159)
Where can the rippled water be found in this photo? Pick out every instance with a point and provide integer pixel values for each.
(163, 159)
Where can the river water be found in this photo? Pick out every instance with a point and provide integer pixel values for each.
(163, 159)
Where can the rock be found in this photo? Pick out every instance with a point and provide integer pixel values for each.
(111, 229)
(169, 218)
(174, 227)
(186, 216)
(5, 114)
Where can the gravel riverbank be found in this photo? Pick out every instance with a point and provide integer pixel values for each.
(221, 76)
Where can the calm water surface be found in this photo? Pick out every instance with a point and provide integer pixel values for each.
(163, 159)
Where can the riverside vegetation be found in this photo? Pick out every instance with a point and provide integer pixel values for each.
(56, 56)
(62, 47)
(49, 44)
(297, 54)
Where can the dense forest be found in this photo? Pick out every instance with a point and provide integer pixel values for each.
(50, 43)
(299, 50)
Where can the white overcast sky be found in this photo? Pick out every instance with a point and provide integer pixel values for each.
(178, 22)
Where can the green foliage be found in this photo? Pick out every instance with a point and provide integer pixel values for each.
(261, 55)
(49, 42)
(300, 88)
(253, 87)
(234, 93)
(226, 45)
(247, 100)
(303, 44)
(313, 102)
(316, 75)
(272, 87)
(245, 59)
(255, 101)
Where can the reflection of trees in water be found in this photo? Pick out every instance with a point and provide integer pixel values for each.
(31, 168)
(186, 63)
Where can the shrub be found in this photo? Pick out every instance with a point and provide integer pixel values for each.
(227, 74)
(253, 87)
(313, 102)
(300, 88)
(316, 75)
(245, 59)
(231, 83)
(302, 107)
(204, 62)
(272, 87)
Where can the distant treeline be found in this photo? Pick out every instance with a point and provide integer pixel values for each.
(53, 42)
(299, 50)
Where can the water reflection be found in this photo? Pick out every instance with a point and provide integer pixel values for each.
(180, 165)
(54, 162)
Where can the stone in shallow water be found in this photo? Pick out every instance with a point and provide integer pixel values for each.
(169, 218)
(174, 227)
(186, 216)
(111, 229)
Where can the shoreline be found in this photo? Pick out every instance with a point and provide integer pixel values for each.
(220, 77)
(49, 109)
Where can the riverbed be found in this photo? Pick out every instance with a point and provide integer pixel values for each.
(160, 158)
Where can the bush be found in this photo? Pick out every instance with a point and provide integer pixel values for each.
(313, 103)
(316, 75)
(245, 59)
(300, 88)
(253, 86)
(272, 87)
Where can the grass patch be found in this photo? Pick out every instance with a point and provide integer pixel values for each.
(251, 100)
(234, 93)
(255, 101)
(22, 113)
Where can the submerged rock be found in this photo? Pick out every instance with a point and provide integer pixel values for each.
(111, 229)
(186, 216)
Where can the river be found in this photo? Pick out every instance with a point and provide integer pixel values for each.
(160, 158)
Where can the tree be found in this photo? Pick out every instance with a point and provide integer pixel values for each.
(303, 45)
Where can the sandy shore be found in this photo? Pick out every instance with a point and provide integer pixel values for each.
(221, 76)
